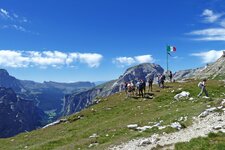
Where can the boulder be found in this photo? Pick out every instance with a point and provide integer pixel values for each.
(176, 125)
(181, 95)
(132, 126)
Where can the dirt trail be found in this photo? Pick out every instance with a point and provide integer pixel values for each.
(213, 122)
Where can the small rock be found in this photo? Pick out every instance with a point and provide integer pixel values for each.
(93, 135)
(143, 128)
(217, 127)
(12, 140)
(204, 114)
(223, 102)
(208, 106)
(145, 142)
(181, 119)
(191, 98)
(176, 125)
(211, 109)
(161, 127)
(220, 107)
(26, 147)
(132, 126)
(93, 144)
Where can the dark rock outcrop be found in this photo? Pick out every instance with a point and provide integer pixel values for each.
(17, 114)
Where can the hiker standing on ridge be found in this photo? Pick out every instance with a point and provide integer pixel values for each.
(162, 80)
(144, 86)
(202, 86)
(125, 87)
(150, 82)
(170, 76)
(138, 87)
(159, 79)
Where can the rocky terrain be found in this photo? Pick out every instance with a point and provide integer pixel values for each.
(207, 122)
(214, 70)
(17, 114)
(76, 102)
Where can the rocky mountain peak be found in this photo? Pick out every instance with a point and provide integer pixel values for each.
(9, 81)
(4, 72)
(141, 71)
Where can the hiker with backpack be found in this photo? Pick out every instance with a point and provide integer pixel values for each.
(202, 86)
(162, 80)
(143, 86)
(140, 88)
(150, 82)
(170, 76)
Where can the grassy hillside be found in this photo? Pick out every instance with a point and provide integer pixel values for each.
(214, 141)
(109, 119)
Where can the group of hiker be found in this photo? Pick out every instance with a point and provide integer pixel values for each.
(138, 87)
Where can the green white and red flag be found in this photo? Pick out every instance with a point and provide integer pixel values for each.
(171, 49)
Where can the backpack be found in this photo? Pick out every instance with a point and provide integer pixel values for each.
(200, 84)
(163, 77)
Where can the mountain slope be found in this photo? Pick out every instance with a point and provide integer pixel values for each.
(105, 124)
(48, 96)
(76, 102)
(214, 70)
(17, 114)
(10, 82)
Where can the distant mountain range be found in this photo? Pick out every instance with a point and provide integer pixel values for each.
(47, 98)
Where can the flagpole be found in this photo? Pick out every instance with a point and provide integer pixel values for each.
(167, 64)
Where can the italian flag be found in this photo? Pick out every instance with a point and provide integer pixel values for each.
(171, 49)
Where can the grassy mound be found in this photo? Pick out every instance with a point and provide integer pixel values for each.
(109, 119)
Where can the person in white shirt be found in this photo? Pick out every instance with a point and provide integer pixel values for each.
(202, 86)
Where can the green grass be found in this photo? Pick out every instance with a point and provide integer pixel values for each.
(215, 141)
(109, 119)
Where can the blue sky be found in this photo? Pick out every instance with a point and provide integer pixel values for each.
(97, 40)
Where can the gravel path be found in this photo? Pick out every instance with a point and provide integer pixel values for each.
(214, 122)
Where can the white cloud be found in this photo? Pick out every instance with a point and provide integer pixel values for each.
(4, 14)
(209, 56)
(15, 27)
(210, 16)
(13, 21)
(57, 59)
(144, 58)
(211, 34)
(91, 59)
(126, 61)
